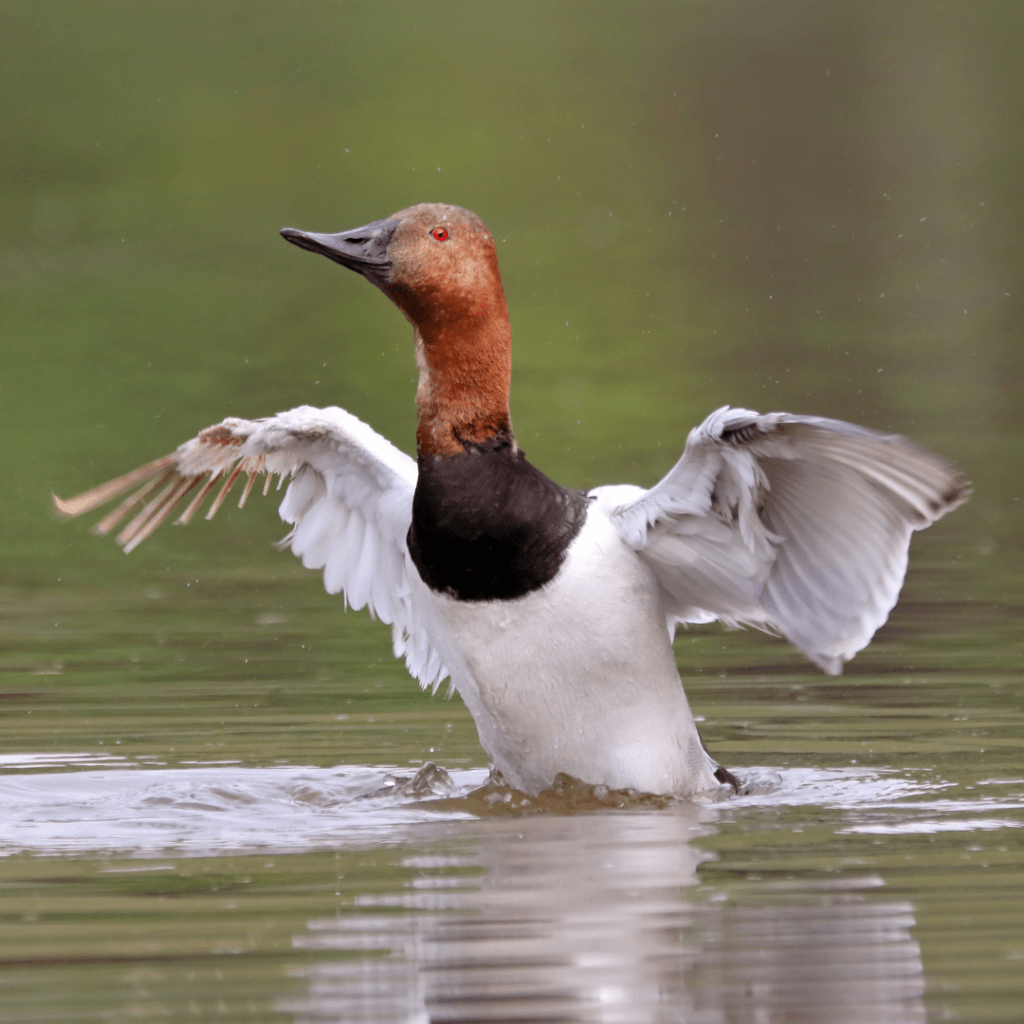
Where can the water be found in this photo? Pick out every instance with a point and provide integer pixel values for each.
(802, 206)
(173, 852)
(206, 892)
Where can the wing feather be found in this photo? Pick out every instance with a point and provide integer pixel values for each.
(796, 524)
(349, 503)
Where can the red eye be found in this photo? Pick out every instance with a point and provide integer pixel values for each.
(441, 234)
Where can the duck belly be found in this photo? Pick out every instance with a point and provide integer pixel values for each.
(577, 676)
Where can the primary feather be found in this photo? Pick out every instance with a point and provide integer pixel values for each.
(797, 524)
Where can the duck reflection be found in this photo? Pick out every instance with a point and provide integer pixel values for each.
(602, 918)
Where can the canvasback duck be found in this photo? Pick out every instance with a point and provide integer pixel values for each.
(551, 610)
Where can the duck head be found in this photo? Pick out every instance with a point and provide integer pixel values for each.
(439, 265)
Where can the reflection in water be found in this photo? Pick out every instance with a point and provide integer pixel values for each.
(596, 918)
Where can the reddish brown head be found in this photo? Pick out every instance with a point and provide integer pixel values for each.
(438, 264)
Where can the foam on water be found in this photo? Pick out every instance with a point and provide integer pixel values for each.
(212, 808)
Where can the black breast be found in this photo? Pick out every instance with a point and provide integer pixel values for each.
(487, 525)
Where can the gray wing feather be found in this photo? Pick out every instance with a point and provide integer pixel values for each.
(349, 502)
(795, 524)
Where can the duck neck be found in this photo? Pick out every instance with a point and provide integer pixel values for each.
(465, 374)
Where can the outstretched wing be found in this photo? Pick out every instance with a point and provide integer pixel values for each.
(790, 523)
(349, 500)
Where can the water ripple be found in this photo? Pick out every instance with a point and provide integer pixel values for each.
(224, 807)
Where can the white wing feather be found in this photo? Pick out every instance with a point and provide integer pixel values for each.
(789, 523)
(349, 502)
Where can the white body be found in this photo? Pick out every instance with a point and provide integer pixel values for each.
(577, 677)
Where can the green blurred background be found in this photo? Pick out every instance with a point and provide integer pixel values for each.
(799, 205)
(807, 205)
